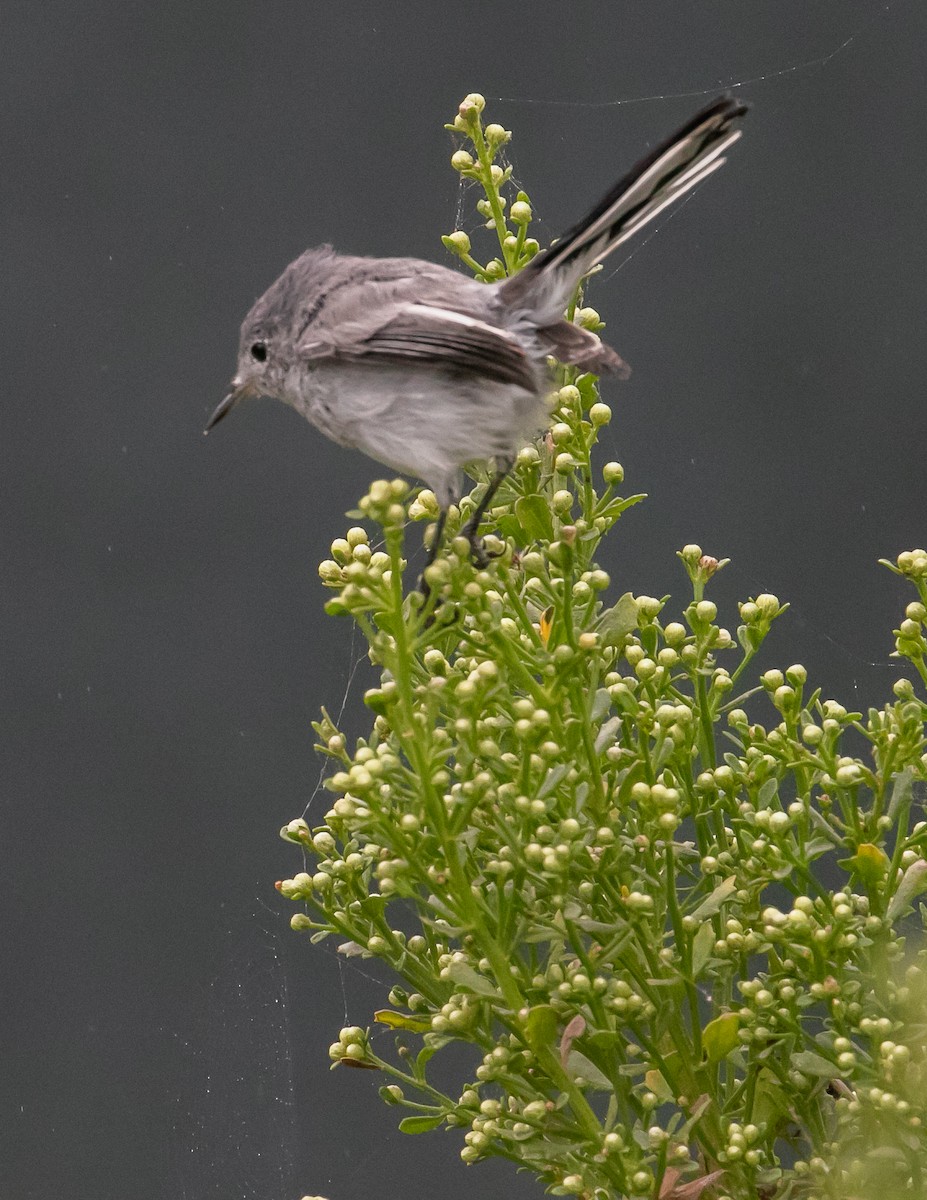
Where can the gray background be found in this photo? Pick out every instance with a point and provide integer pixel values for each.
(164, 648)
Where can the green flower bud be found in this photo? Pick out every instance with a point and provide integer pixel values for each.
(457, 242)
(295, 831)
(783, 697)
(600, 414)
(649, 606)
(473, 101)
(425, 506)
(520, 212)
(588, 318)
(613, 472)
(461, 160)
(768, 605)
(497, 136)
(330, 572)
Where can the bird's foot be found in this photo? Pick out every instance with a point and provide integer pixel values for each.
(479, 555)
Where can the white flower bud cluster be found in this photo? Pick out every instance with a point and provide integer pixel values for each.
(351, 1044)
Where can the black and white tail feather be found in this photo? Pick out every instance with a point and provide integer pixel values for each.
(546, 285)
(660, 179)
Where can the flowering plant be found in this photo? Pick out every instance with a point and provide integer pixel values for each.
(665, 905)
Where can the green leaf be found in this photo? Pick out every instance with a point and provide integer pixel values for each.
(810, 1063)
(465, 975)
(771, 1103)
(617, 623)
(533, 513)
(586, 383)
(601, 703)
(397, 1020)
(702, 946)
(509, 526)
(901, 792)
(719, 1037)
(613, 510)
(604, 1039)
(579, 1064)
(607, 735)
(420, 1124)
(712, 904)
(552, 778)
(913, 882)
(657, 1084)
(422, 1059)
(541, 1027)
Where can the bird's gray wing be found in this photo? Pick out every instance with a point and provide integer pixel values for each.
(410, 333)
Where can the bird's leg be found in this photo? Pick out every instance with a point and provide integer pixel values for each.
(471, 530)
(432, 554)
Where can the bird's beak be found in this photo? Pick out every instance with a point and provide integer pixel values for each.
(223, 409)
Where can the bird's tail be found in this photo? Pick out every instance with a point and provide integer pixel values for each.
(546, 285)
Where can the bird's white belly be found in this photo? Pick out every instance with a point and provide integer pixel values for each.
(422, 423)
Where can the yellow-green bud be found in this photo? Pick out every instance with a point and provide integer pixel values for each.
(458, 242)
(520, 212)
(470, 101)
(461, 160)
(613, 472)
(496, 135)
(329, 571)
(425, 506)
(600, 414)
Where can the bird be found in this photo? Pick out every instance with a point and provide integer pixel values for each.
(426, 370)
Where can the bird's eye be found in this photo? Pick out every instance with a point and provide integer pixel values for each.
(259, 351)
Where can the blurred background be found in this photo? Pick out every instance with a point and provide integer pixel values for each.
(164, 647)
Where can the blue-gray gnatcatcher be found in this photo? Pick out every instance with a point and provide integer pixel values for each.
(426, 370)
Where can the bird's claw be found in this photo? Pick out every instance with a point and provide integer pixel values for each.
(480, 556)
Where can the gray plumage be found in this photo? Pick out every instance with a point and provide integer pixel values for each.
(426, 370)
